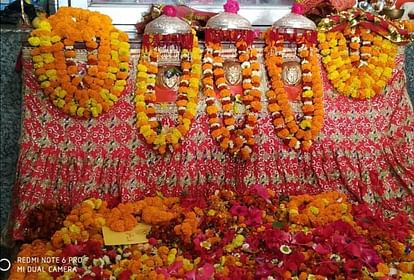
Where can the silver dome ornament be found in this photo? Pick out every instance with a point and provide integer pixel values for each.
(226, 21)
(294, 21)
(168, 29)
(229, 26)
(294, 24)
(168, 23)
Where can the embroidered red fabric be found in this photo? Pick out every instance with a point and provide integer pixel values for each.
(366, 149)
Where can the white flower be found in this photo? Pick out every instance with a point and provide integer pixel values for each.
(245, 65)
(285, 249)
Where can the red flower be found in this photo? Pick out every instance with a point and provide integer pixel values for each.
(262, 192)
(302, 239)
(353, 268)
(328, 268)
(254, 217)
(125, 275)
(238, 210)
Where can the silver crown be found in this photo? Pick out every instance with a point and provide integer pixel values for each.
(226, 20)
(294, 21)
(165, 25)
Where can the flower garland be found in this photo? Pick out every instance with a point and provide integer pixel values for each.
(162, 137)
(87, 93)
(297, 133)
(237, 139)
(363, 69)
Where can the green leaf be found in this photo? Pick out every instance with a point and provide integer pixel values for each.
(278, 224)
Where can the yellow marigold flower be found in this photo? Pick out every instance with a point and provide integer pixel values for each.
(111, 76)
(44, 84)
(34, 41)
(139, 98)
(380, 83)
(304, 124)
(59, 103)
(321, 37)
(120, 83)
(94, 112)
(37, 58)
(114, 35)
(160, 140)
(55, 38)
(151, 81)
(142, 68)
(112, 97)
(314, 210)
(333, 75)
(114, 55)
(387, 73)
(123, 51)
(38, 65)
(171, 256)
(72, 109)
(113, 69)
(145, 130)
(123, 66)
(80, 111)
(187, 265)
(307, 93)
(60, 93)
(51, 72)
(191, 93)
(142, 116)
(325, 52)
(238, 241)
(124, 45)
(45, 25)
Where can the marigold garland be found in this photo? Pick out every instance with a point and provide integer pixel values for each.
(80, 94)
(237, 139)
(164, 138)
(359, 62)
(297, 133)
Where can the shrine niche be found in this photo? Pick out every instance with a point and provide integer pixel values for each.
(295, 96)
(232, 85)
(168, 71)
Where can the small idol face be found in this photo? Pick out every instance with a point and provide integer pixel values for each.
(291, 73)
(169, 77)
(232, 72)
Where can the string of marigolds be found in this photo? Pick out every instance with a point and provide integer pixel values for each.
(232, 137)
(164, 138)
(297, 133)
(359, 62)
(81, 93)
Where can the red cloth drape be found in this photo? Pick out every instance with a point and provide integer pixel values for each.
(365, 149)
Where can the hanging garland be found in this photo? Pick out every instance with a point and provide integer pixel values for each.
(361, 68)
(81, 93)
(297, 133)
(164, 138)
(359, 51)
(232, 137)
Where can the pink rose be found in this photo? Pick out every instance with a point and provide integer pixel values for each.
(231, 7)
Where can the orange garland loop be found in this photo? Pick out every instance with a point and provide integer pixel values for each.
(80, 93)
(234, 139)
(297, 133)
(164, 138)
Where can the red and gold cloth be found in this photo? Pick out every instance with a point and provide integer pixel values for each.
(366, 149)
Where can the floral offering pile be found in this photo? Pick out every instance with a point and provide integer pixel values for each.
(254, 235)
